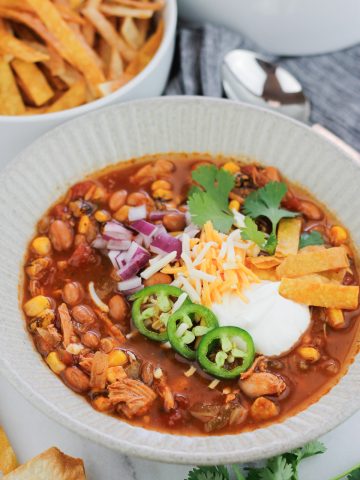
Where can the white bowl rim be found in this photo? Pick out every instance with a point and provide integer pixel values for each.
(68, 114)
(165, 455)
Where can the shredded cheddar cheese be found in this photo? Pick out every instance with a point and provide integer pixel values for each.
(211, 266)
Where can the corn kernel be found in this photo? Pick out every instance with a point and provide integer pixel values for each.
(84, 224)
(102, 404)
(160, 184)
(122, 214)
(338, 235)
(231, 167)
(113, 374)
(54, 362)
(310, 354)
(41, 246)
(102, 216)
(234, 205)
(335, 317)
(46, 317)
(163, 194)
(99, 194)
(117, 358)
(36, 305)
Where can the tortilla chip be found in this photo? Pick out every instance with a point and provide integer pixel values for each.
(11, 102)
(313, 262)
(263, 262)
(76, 52)
(8, 460)
(52, 464)
(316, 293)
(18, 49)
(288, 237)
(75, 96)
(33, 82)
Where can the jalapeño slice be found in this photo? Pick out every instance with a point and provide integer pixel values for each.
(187, 325)
(152, 308)
(226, 352)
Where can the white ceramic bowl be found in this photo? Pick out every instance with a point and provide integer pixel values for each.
(49, 166)
(284, 27)
(16, 132)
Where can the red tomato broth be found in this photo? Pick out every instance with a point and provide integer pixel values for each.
(306, 385)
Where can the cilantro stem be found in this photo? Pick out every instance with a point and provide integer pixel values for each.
(238, 474)
(345, 474)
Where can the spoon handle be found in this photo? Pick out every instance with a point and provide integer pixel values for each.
(337, 141)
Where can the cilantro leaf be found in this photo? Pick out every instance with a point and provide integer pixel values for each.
(209, 473)
(252, 232)
(266, 202)
(312, 238)
(204, 208)
(217, 183)
(299, 454)
(209, 200)
(354, 475)
(277, 469)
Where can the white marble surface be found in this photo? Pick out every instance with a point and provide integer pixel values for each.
(31, 432)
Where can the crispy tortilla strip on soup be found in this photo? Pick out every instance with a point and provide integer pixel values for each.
(190, 294)
(57, 55)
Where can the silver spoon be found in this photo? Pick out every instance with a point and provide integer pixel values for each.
(249, 77)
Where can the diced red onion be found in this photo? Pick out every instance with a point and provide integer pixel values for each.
(160, 214)
(135, 259)
(137, 213)
(99, 242)
(113, 258)
(118, 244)
(165, 243)
(145, 228)
(116, 231)
(133, 290)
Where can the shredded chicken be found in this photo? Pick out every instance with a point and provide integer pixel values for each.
(112, 330)
(262, 383)
(133, 397)
(98, 371)
(86, 363)
(54, 334)
(252, 369)
(165, 393)
(66, 325)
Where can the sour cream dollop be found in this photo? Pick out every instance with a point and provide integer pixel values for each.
(275, 323)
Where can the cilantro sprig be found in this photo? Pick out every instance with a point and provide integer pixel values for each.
(265, 202)
(281, 467)
(209, 200)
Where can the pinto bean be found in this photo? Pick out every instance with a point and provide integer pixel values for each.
(158, 278)
(73, 293)
(83, 314)
(117, 200)
(163, 166)
(75, 379)
(137, 198)
(118, 308)
(90, 339)
(174, 222)
(61, 235)
(310, 210)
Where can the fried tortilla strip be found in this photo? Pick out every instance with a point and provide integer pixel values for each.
(11, 102)
(119, 11)
(33, 82)
(116, 65)
(147, 52)
(67, 13)
(159, 5)
(288, 237)
(52, 464)
(108, 32)
(263, 262)
(12, 46)
(263, 274)
(143, 26)
(313, 262)
(8, 460)
(131, 33)
(75, 96)
(110, 87)
(76, 51)
(316, 293)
